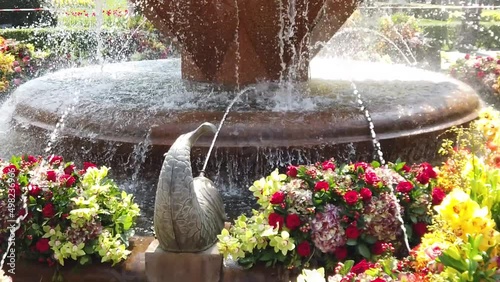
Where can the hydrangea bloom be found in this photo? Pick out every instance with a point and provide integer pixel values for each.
(380, 218)
(327, 231)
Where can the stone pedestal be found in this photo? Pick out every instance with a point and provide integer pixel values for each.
(162, 266)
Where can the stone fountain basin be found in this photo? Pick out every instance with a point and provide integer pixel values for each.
(128, 102)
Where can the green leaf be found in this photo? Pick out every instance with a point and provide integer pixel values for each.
(85, 260)
(364, 251)
(375, 164)
(267, 256)
(347, 267)
(352, 242)
(370, 239)
(89, 249)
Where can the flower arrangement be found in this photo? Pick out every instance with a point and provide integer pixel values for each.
(463, 241)
(71, 214)
(480, 72)
(321, 214)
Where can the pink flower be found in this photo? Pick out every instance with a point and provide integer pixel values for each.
(51, 176)
(371, 178)
(404, 187)
(366, 194)
(277, 198)
(291, 171)
(328, 165)
(55, 160)
(68, 180)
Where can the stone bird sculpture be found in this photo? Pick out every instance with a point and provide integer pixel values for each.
(189, 212)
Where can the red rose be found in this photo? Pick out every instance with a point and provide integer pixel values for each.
(291, 171)
(362, 165)
(275, 220)
(55, 160)
(304, 249)
(321, 186)
(328, 165)
(361, 267)
(371, 178)
(406, 168)
(467, 56)
(17, 189)
(277, 198)
(426, 172)
(34, 190)
(351, 197)
(437, 195)
(11, 169)
(30, 159)
(51, 176)
(341, 253)
(366, 194)
(404, 187)
(42, 245)
(292, 221)
(420, 228)
(378, 248)
(352, 232)
(68, 180)
(378, 279)
(69, 169)
(48, 210)
(87, 165)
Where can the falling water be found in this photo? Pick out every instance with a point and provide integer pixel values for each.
(140, 153)
(281, 40)
(378, 149)
(222, 123)
(100, 21)
(292, 14)
(237, 42)
(404, 41)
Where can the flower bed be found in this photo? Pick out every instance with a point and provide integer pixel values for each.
(344, 220)
(66, 213)
(483, 73)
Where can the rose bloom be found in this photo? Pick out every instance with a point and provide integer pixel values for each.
(341, 253)
(34, 190)
(11, 169)
(42, 245)
(321, 186)
(371, 178)
(352, 232)
(68, 180)
(361, 267)
(362, 165)
(55, 160)
(277, 198)
(378, 248)
(69, 169)
(420, 228)
(51, 176)
(437, 195)
(351, 197)
(87, 165)
(48, 210)
(291, 171)
(366, 194)
(275, 220)
(304, 249)
(328, 165)
(292, 221)
(404, 187)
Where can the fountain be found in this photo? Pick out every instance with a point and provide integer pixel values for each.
(286, 106)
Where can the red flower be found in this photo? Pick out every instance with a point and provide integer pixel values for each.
(366, 194)
(292, 221)
(291, 171)
(352, 232)
(361, 267)
(351, 197)
(378, 279)
(11, 169)
(341, 253)
(467, 56)
(420, 228)
(371, 178)
(17, 189)
(34, 190)
(51, 176)
(68, 180)
(55, 160)
(480, 74)
(426, 172)
(321, 186)
(328, 165)
(275, 220)
(69, 169)
(437, 195)
(42, 245)
(378, 248)
(406, 168)
(404, 187)
(277, 198)
(304, 249)
(48, 210)
(362, 165)
(87, 165)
